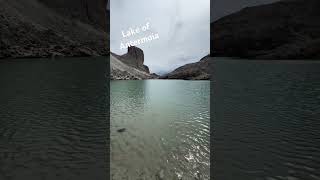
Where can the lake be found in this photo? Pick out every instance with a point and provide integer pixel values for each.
(266, 120)
(53, 119)
(54, 122)
(167, 129)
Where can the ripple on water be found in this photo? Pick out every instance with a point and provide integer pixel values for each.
(267, 126)
(53, 120)
(167, 126)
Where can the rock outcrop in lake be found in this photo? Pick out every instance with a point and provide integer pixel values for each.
(129, 66)
(45, 28)
(287, 29)
(193, 71)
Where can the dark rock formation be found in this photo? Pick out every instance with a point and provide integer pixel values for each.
(134, 58)
(129, 66)
(193, 71)
(283, 30)
(121, 130)
(225, 7)
(53, 28)
(91, 12)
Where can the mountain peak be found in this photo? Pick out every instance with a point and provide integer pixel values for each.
(135, 58)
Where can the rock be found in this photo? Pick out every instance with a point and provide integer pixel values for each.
(193, 71)
(91, 12)
(129, 66)
(135, 58)
(121, 130)
(288, 29)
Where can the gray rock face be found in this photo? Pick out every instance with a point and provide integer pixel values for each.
(287, 29)
(129, 66)
(193, 71)
(52, 28)
(91, 12)
(135, 58)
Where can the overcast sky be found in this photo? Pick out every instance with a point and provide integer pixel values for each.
(183, 27)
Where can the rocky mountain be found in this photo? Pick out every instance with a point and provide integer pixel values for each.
(46, 28)
(91, 12)
(129, 66)
(288, 29)
(134, 58)
(193, 71)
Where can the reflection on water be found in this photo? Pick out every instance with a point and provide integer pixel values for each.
(266, 120)
(166, 132)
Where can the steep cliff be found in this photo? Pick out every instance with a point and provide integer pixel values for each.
(129, 66)
(53, 28)
(135, 58)
(287, 29)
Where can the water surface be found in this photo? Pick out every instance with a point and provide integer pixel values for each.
(167, 129)
(266, 120)
(53, 119)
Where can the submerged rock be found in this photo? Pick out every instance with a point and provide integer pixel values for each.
(121, 130)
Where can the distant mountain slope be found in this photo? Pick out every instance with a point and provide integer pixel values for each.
(53, 28)
(288, 29)
(193, 71)
(129, 66)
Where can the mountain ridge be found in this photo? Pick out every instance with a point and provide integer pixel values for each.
(193, 71)
(288, 29)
